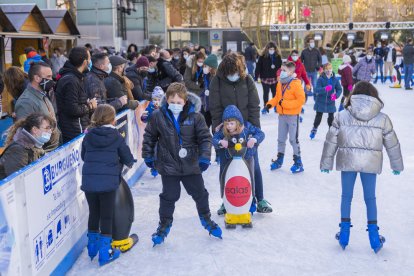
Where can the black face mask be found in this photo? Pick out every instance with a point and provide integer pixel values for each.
(47, 85)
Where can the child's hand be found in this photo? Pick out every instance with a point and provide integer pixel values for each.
(150, 163)
(308, 87)
(251, 143)
(350, 87)
(224, 143)
(328, 88)
(218, 127)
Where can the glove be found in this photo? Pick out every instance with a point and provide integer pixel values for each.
(280, 102)
(324, 171)
(396, 172)
(154, 172)
(350, 87)
(203, 164)
(333, 97)
(308, 87)
(328, 88)
(149, 162)
(268, 106)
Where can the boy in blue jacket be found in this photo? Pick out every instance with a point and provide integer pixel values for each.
(104, 153)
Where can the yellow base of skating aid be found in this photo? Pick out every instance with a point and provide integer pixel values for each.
(238, 219)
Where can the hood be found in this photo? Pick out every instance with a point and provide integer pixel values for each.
(232, 112)
(364, 107)
(102, 137)
(98, 72)
(131, 68)
(69, 68)
(25, 139)
(343, 66)
(193, 100)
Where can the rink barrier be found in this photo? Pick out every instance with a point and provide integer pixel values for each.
(43, 212)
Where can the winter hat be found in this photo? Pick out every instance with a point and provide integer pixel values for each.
(232, 112)
(142, 62)
(346, 59)
(117, 60)
(158, 93)
(211, 61)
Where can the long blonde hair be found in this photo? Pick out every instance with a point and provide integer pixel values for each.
(104, 115)
(239, 127)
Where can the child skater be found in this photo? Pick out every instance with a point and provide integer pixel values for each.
(327, 90)
(345, 70)
(183, 153)
(289, 100)
(104, 152)
(357, 137)
(234, 125)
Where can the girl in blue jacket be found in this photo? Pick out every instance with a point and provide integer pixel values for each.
(327, 90)
(104, 153)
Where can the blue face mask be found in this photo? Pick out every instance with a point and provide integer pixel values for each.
(233, 78)
(90, 65)
(284, 74)
(151, 70)
(175, 108)
(44, 138)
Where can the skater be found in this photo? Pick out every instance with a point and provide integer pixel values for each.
(289, 99)
(399, 63)
(266, 69)
(345, 70)
(104, 152)
(194, 76)
(183, 153)
(390, 58)
(327, 90)
(312, 59)
(357, 137)
(209, 71)
(379, 55)
(234, 125)
(365, 68)
(408, 56)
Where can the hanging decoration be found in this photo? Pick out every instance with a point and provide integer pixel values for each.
(306, 11)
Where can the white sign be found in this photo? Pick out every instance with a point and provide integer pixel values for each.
(232, 45)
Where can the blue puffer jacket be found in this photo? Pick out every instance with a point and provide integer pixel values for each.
(323, 102)
(29, 61)
(104, 152)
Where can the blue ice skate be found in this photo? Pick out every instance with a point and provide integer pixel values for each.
(343, 235)
(163, 229)
(375, 239)
(277, 164)
(297, 165)
(210, 225)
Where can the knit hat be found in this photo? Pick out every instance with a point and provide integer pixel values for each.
(158, 93)
(232, 112)
(142, 62)
(211, 61)
(117, 60)
(346, 59)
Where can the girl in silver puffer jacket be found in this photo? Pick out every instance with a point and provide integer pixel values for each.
(357, 137)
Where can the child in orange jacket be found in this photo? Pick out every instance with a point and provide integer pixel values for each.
(289, 99)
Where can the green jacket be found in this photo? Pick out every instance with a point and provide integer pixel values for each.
(33, 101)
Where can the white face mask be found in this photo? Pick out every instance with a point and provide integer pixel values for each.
(200, 64)
(175, 108)
(206, 70)
(44, 138)
(378, 45)
(295, 58)
(176, 57)
(271, 52)
(109, 69)
(233, 78)
(168, 59)
(186, 57)
(369, 57)
(151, 70)
(312, 45)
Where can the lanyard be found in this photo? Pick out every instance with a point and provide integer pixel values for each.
(285, 87)
(273, 59)
(176, 125)
(206, 82)
(198, 73)
(144, 85)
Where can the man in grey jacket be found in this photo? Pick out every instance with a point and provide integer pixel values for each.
(312, 59)
(35, 99)
(408, 55)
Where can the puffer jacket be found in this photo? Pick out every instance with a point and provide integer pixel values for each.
(167, 74)
(104, 153)
(364, 69)
(95, 88)
(345, 71)
(161, 134)
(242, 93)
(323, 102)
(357, 137)
(141, 89)
(72, 102)
(293, 98)
(116, 88)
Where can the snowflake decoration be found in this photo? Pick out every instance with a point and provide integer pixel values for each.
(306, 11)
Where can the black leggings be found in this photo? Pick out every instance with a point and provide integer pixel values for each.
(318, 119)
(101, 212)
(266, 88)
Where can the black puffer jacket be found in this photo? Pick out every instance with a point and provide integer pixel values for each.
(242, 93)
(71, 98)
(264, 68)
(95, 88)
(167, 74)
(196, 139)
(140, 91)
(115, 88)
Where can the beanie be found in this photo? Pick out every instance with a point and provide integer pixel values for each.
(142, 62)
(211, 61)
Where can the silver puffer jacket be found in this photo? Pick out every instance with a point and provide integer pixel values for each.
(359, 134)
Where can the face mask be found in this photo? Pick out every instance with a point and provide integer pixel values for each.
(151, 70)
(284, 75)
(271, 52)
(186, 57)
(44, 138)
(378, 45)
(369, 57)
(109, 69)
(206, 70)
(295, 58)
(175, 108)
(176, 57)
(47, 85)
(200, 64)
(90, 65)
(312, 45)
(233, 78)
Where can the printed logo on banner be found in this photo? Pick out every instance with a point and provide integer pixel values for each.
(39, 249)
(52, 173)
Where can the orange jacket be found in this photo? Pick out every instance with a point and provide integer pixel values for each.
(293, 99)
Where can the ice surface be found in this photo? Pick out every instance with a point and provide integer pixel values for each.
(298, 237)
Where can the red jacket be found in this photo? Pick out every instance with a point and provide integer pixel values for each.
(345, 71)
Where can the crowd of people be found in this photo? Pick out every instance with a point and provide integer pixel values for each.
(192, 97)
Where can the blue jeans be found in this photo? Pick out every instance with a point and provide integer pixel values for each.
(408, 74)
(250, 67)
(258, 180)
(368, 184)
(379, 65)
(313, 77)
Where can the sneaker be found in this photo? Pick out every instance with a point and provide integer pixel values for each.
(222, 210)
(263, 206)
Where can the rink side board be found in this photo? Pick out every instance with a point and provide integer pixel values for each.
(49, 232)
